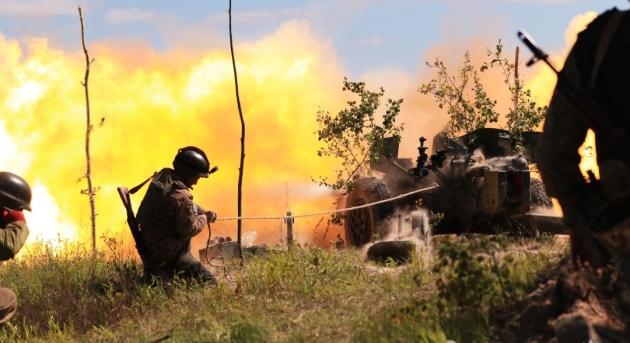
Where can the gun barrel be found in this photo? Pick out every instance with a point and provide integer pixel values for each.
(531, 45)
(539, 54)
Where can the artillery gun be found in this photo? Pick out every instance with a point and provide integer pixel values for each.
(484, 186)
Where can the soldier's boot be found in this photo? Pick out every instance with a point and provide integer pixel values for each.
(8, 305)
(192, 268)
(155, 276)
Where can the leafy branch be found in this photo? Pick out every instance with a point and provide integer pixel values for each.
(524, 114)
(464, 96)
(354, 135)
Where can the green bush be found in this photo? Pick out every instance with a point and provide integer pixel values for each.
(476, 275)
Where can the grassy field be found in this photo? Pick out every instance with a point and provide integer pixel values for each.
(304, 295)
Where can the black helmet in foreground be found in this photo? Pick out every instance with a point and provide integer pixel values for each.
(15, 193)
(192, 161)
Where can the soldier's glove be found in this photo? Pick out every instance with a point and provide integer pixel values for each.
(198, 209)
(212, 217)
(9, 216)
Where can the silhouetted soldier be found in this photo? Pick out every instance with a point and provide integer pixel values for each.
(168, 218)
(593, 92)
(15, 196)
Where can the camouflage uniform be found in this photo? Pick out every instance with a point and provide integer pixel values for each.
(168, 220)
(604, 75)
(12, 238)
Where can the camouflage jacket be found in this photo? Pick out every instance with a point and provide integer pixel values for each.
(168, 219)
(565, 129)
(12, 238)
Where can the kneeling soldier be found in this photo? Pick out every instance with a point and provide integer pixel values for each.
(168, 218)
(15, 196)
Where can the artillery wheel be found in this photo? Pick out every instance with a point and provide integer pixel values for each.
(537, 195)
(362, 225)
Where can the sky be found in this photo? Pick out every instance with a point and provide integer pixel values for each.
(162, 79)
(366, 35)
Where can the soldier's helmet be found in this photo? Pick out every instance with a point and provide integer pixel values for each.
(15, 193)
(192, 161)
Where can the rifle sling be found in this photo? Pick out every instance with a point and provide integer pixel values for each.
(138, 187)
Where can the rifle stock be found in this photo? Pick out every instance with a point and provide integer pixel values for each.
(131, 220)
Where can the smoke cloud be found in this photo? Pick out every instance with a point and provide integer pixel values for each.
(146, 105)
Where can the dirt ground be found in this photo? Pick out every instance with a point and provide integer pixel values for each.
(571, 304)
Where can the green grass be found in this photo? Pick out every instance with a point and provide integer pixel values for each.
(304, 295)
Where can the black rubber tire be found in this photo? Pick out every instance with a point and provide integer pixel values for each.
(537, 195)
(398, 252)
(363, 225)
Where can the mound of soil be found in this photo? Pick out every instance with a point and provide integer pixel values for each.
(571, 304)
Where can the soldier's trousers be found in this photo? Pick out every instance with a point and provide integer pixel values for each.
(187, 267)
(8, 304)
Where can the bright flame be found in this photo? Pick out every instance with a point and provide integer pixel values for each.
(46, 223)
(588, 152)
(12, 157)
(150, 104)
(24, 95)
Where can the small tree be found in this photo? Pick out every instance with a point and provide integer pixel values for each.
(463, 95)
(241, 168)
(90, 191)
(468, 103)
(524, 114)
(354, 135)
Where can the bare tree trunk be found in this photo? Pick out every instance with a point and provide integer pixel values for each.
(240, 112)
(517, 85)
(88, 173)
